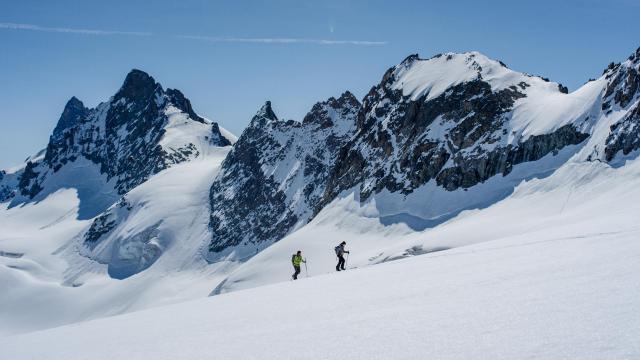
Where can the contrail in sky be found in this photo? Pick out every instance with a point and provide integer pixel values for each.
(14, 26)
(283, 40)
(32, 27)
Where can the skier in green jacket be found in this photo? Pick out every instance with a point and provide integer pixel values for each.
(296, 259)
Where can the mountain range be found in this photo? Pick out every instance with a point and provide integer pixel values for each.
(140, 201)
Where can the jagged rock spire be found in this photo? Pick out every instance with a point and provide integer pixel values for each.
(138, 85)
(264, 115)
(73, 113)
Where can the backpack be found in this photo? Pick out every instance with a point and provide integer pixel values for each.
(338, 250)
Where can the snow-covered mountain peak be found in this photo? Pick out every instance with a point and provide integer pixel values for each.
(177, 99)
(264, 115)
(138, 85)
(275, 175)
(138, 132)
(74, 112)
(431, 77)
(334, 112)
(437, 141)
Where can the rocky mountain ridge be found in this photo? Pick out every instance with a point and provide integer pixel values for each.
(448, 123)
(276, 173)
(434, 137)
(122, 136)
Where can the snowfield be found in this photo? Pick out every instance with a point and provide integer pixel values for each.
(548, 273)
(536, 296)
(537, 258)
(581, 199)
(53, 284)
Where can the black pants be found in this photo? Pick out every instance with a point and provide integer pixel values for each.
(340, 263)
(295, 274)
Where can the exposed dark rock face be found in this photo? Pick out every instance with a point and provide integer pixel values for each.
(122, 136)
(244, 200)
(276, 173)
(106, 222)
(469, 171)
(74, 113)
(623, 91)
(458, 139)
(624, 136)
(6, 191)
(623, 82)
(28, 181)
(563, 89)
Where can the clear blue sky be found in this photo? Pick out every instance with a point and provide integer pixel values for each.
(46, 56)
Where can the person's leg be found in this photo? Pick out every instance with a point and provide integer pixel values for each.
(343, 262)
(295, 275)
(340, 263)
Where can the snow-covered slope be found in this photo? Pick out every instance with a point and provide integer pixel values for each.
(404, 171)
(52, 276)
(450, 154)
(553, 274)
(119, 188)
(581, 199)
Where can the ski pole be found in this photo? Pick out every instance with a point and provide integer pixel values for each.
(306, 271)
(347, 260)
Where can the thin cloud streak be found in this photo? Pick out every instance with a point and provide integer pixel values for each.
(283, 40)
(31, 27)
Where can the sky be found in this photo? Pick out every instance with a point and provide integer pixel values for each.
(229, 57)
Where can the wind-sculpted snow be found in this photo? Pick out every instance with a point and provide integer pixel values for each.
(276, 174)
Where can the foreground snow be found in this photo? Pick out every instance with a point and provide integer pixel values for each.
(535, 296)
(550, 272)
(536, 263)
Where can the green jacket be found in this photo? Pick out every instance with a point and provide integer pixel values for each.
(296, 260)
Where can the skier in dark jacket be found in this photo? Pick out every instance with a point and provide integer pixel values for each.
(340, 251)
(296, 259)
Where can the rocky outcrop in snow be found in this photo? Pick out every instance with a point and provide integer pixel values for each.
(623, 95)
(275, 176)
(6, 189)
(457, 133)
(106, 152)
(450, 123)
(125, 136)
